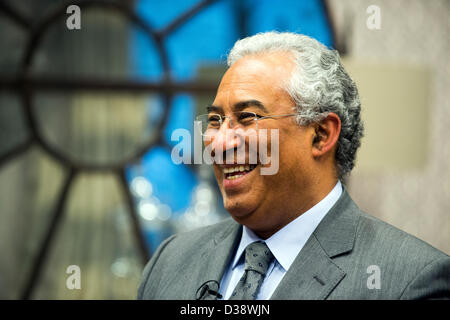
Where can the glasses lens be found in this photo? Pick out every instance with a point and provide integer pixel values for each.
(210, 123)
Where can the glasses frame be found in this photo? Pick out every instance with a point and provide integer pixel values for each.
(256, 118)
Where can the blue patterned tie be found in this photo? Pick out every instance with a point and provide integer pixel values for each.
(257, 260)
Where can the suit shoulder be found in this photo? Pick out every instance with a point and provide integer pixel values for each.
(184, 244)
(180, 252)
(204, 234)
(394, 242)
(408, 267)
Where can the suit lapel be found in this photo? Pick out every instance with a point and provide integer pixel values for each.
(313, 274)
(216, 256)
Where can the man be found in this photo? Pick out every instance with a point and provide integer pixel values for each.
(295, 234)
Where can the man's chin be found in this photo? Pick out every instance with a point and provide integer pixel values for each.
(250, 219)
(238, 210)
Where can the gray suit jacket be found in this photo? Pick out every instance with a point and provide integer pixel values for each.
(350, 255)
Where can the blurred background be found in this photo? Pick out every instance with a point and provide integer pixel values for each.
(87, 116)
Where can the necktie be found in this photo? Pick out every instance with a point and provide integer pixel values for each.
(257, 260)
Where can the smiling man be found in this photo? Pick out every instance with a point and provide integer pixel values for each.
(266, 203)
(294, 234)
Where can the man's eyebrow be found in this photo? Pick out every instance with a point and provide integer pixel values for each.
(238, 106)
(211, 108)
(249, 103)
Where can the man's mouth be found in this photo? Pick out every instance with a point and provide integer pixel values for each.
(231, 173)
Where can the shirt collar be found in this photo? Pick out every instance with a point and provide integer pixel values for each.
(287, 242)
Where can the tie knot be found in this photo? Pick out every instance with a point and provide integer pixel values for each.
(258, 257)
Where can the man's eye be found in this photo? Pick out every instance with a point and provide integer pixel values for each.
(214, 121)
(213, 118)
(246, 116)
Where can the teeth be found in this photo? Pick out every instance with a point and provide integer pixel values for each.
(238, 169)
(235, 176)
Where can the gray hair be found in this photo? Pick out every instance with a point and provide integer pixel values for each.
(318, 85)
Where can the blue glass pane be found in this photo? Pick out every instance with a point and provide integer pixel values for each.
(172, 184)
(206, 38)
(145, 61)
(181, 117)
(306, 17)
(161, 13)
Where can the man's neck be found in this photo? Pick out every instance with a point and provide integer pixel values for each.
(297, 208)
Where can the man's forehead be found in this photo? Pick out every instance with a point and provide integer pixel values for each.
(255, 67)
(255, 77)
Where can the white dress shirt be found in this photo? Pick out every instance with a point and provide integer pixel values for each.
(285, 245)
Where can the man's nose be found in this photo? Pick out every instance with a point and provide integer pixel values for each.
(226, 138)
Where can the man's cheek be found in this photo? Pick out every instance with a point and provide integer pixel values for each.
(269, 152)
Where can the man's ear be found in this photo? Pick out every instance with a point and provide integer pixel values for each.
(326, 134)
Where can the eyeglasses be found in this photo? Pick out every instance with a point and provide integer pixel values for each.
(212, 122)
